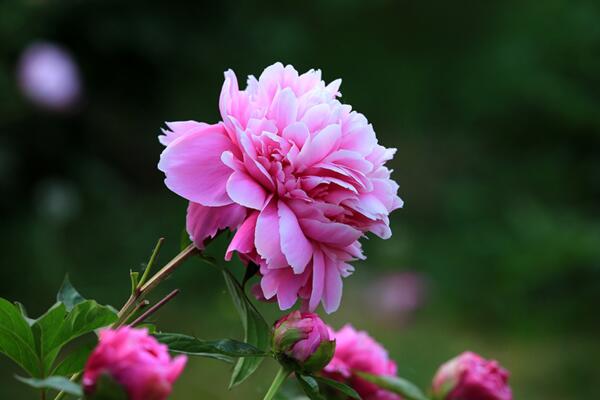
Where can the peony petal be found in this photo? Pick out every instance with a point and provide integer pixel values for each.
(284, 108)
(294, 245)
(244, 190)
(179, 128)
(316, 116)
(334, 233)
(269, 284)
(290, 284)
(203, 222)
(318, 280)
(193, 167)
(267, 237)
(320, 146)
(332, 294)
(297, 133)
(243, 240)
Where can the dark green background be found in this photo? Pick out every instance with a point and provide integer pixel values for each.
(494, 107)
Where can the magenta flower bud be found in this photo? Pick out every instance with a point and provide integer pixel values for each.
(135, 361)
(471, 377)
(303, 342)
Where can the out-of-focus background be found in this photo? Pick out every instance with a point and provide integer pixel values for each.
(494, 108)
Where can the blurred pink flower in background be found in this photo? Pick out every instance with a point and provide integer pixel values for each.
(396, 296)
(357, 351)
(134, 360)
(298, 175)
(304, 339)
(49, 77)
(471, 377)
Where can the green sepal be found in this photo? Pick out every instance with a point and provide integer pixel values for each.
(320, 358)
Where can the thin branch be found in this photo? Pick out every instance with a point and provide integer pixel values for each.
(160, 276)
(151, 262)
(155, 308)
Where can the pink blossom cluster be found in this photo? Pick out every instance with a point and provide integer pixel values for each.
(298, 175)
(135, 361)
(471, 377)
(357, 351)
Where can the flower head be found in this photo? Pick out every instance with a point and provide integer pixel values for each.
(304, 340)
(134, 360)
(49, 77)
(470, 377)
(297, 174)
(357, 351)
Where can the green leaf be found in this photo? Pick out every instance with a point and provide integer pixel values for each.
(57, 327)
(395, 384)
(310, 387)
(107, 389)
(190, 345)
(47, 326)
(75, 360)
(68, 295)
(256, 330)
(58, 383)
(339, 386)
(21, 307)
(16, 338)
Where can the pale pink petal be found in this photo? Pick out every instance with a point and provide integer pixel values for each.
(179, 128)
(318, 280)
(267, 239)
(243, 240)
(318, 147)
(269, 284)
(204, 222)
(244, 190)
(332, 294)
(284, 108)
(294, 245)
(193, 167)
(288, 289)
(297, 133)
(333, 233)
(316, 117)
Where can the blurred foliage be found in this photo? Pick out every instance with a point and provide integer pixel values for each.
(494, 107)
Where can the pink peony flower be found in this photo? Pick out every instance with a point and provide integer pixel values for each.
(298, 175)
(357, 351)
(304, 340)
(470, 377)
(136, 361)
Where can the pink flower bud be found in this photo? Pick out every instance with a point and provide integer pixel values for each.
(135, 361)
(356, 351)
(470, 377)
(303, 341)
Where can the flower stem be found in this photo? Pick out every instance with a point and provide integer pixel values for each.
(155, 308)
(150, 262)
(281, 376)
(62, 394)
(142, 290)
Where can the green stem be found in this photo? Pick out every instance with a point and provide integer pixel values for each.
(62, 394)
(147, 287)
(150, 262)
(282, 374)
